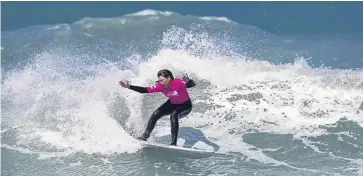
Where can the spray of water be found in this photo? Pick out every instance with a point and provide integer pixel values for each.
(62, 103)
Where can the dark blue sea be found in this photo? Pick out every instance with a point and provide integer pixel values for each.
(279, 87)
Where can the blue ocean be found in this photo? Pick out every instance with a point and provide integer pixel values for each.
(279, 88)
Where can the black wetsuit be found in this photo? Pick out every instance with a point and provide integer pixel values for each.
(176, 111)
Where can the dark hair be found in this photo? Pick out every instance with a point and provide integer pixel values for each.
(165, 73)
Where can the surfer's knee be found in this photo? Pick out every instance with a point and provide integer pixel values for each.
(156, 114)
(173, 116)
(184, 113)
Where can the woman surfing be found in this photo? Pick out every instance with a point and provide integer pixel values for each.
(177, 106)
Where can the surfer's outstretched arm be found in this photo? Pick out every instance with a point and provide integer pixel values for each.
(151, 89)
(138, 89)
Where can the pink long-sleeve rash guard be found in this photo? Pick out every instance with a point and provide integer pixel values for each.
(176, 92)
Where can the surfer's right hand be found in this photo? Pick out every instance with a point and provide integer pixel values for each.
(124, 84)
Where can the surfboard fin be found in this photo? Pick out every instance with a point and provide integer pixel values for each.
(141, 138)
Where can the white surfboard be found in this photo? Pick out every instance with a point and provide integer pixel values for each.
(171, 148)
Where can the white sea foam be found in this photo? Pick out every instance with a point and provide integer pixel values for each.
(223, 19)
(148, 12)
(55, 107)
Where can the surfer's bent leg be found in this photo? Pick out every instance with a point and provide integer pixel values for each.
(164, 109)
(180, 111)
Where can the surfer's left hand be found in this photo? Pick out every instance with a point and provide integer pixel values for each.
(185, 77)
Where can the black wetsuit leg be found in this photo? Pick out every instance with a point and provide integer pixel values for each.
(165, 109)
(180, 111)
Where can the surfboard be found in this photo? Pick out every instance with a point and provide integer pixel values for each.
(149, 144)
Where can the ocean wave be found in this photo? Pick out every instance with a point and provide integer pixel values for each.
(148, 12)
(60, 93)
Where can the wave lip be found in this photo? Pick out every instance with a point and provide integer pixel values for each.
(212, 18)
(150, 12)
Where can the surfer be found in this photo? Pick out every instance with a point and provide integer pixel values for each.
(177, 106)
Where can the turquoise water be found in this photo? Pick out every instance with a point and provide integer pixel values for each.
(279, 87)
(283, 18)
